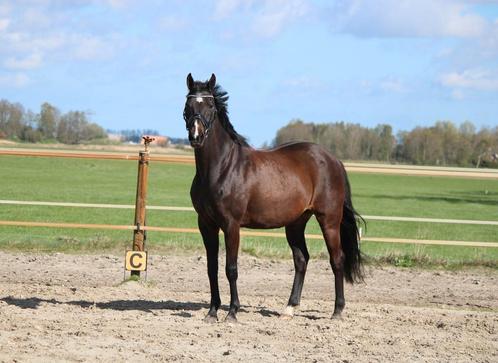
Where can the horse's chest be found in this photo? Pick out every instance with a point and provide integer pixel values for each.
(215, 203)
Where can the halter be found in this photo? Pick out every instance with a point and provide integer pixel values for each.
(200, 96)
(199, 116)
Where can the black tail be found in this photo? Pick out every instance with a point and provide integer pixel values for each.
(353, 269)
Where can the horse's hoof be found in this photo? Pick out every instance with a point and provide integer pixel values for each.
(288, 313)
(231, 319)
(211, 319)
(337, 316)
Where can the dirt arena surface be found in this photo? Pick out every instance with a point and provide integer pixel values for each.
(58, 308)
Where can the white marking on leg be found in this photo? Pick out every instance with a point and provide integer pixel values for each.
(289, 310)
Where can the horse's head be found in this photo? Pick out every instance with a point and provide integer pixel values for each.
(200, 109)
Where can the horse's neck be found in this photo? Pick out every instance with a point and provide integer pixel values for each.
(214, 157)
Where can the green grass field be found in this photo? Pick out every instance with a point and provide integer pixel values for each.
(114, 182)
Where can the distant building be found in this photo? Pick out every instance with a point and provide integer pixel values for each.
(158, 140)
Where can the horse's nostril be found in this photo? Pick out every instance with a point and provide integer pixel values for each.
(193, 137)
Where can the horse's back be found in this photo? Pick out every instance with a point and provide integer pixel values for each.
(306, 155)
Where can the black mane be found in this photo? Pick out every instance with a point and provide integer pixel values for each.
(220, 100)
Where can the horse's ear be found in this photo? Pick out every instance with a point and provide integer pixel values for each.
(190, 82)
(212, 83)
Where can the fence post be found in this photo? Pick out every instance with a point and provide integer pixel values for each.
(139, 234)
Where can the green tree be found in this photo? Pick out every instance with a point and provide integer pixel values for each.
(440, 144)
(387, 142)
(11, 119)
(48, 120)
(467, 134)
(296, 130)
(74, 128)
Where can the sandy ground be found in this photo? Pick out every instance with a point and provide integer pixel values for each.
(74, 308)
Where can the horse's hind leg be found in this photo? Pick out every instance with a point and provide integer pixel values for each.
(331, 233)
(295, 237)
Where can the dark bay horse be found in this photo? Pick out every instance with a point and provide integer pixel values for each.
(237, 186)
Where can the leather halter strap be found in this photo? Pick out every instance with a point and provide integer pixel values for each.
(200, 96)
(206, 123)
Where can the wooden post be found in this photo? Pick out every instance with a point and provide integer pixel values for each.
(139, 235)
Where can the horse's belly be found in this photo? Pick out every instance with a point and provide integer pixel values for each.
(273, 212)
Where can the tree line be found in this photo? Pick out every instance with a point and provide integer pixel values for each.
(73, 127)
(444, 143)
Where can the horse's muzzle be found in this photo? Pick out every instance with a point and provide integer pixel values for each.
(196, 143)
(196, 140)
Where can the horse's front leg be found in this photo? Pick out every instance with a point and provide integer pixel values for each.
(232, 241)
(210, 236)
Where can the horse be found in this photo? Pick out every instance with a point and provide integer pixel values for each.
(238, 186)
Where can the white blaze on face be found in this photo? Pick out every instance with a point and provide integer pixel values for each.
(198, 99)
(196, 129)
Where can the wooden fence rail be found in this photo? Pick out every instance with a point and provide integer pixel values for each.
(350, 167)
(242, 233)
(185, 159)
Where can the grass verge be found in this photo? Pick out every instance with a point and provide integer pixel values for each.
(114, 182)
(89, 242)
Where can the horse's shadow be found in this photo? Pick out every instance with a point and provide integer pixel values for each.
(119, 305)
(148, 306)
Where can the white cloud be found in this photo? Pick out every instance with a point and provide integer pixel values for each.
(396, 18)
(172, 23)
(64, 4)
(393, 85)
(5, 9)
(88, 47)
(386, 85)
(33, 18)
(266, 18)
(472, 79)
(118, 4)
(4, 24)
(15, 80)
(48, 30)
(488, 43)
(483, 1)
(30, 62)
(276, 14)
(224, 8)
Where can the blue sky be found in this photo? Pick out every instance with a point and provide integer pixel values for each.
(402, 62)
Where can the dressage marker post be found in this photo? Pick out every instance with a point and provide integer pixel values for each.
(136, 260)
